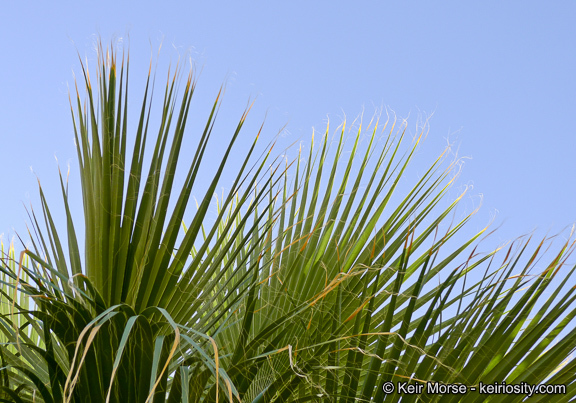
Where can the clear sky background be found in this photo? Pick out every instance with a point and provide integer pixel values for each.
(499, 79)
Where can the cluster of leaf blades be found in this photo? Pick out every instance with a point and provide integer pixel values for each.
(310, 285)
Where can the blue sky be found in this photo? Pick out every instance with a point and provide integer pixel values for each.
(499, 79)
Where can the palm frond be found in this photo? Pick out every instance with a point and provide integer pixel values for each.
(320, 279)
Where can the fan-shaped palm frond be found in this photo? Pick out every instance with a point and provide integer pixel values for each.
(312, 284)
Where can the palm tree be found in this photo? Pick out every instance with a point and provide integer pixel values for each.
(309, 285)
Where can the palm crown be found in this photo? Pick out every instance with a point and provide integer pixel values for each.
(309, 285)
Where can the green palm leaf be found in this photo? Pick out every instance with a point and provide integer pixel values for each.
(311, 284)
